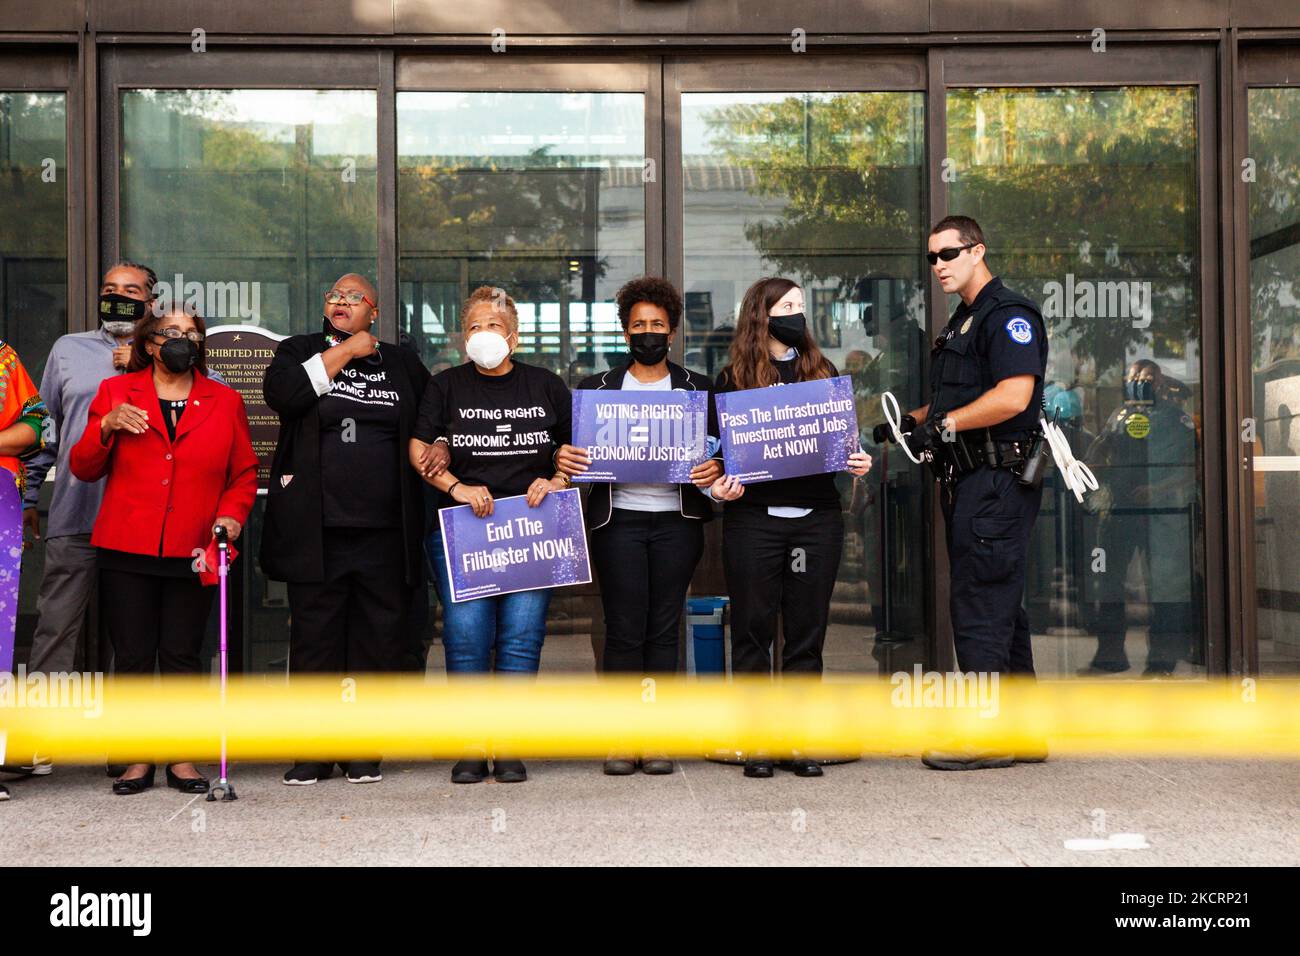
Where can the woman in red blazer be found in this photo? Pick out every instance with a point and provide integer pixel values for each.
(175, 447)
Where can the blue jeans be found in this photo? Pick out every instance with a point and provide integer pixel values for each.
(514, 625)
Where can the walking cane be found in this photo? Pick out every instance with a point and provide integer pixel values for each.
(223, 790)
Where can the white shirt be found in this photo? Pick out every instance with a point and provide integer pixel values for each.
(784, 511)
(637, 497)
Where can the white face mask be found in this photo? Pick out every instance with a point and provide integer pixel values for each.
(117, 329)
(487, 349)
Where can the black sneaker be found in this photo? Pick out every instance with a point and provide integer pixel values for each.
(1103, 668)
(4, 792)
(39, 767)
(364, 771)
(966, 759)
(509, 771)
(469, 771)
(305, 773)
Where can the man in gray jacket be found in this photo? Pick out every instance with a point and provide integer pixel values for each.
(77, 364)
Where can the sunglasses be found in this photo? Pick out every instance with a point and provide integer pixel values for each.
(949, 254)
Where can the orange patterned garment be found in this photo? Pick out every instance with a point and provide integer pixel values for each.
(19, 402)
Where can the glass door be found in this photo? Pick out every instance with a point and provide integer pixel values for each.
(1093, 179)
(812, 167)
(533, 175)
(1271, 432)
(40, 249)
(249, 184)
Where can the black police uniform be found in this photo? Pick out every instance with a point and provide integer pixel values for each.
(987, 511)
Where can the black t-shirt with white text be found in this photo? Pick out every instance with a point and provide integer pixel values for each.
(358, 444)
(502, 430)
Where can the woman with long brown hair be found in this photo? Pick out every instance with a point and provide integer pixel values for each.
(766, 526)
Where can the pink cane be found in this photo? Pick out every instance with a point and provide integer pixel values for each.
(223, 790)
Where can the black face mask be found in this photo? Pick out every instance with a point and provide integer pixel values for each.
(789, 330)
(121, 308)
(179, 355)
(334, 336)
(649, 348)
(1140, 390)
(332, 331)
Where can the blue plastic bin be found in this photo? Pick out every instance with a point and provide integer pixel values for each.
(706, 649)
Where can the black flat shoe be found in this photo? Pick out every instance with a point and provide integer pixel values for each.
(656, 766)
(759, 767)
(125, 787)
(469, 771)
(803, 767)
(620, 766)
(509, 771)
(186, 784)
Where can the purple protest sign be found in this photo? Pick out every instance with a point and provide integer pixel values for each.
(11, 561)
(785, 431)
(516, 548)
(647, 437)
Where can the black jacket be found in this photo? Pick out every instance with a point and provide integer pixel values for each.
(692, 503)
(293, 537)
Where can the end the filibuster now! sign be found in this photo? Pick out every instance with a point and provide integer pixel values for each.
(516, 548)
(807, 428)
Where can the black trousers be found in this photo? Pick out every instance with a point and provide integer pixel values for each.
(645, 560)
(154, 621)
(780, 566)
(988, 516)
(359, 618)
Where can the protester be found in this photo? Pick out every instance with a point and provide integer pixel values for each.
(175, 450)
(22, 424)
(461, 407)
(766, 525)
(344, 513)
(646, 539)
(77, 363)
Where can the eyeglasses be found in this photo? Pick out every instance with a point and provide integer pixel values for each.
(351, 298)
(174, 333)
(949, 254)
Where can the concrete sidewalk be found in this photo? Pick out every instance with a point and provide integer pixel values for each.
(881, 810)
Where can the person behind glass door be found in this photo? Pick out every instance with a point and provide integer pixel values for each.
(78, 362)
(781, 539)
(462, 407)
(646, 539)
(1145, 459)
(174, 447)
(344, 514)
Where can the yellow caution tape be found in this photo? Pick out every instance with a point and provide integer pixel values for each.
(407, 716)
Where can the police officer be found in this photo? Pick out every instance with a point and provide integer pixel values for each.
(986, 387)
(1145, 459)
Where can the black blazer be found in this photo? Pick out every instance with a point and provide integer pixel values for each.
(293, 537)
(691, 502)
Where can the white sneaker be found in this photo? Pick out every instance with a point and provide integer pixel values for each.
(39, 767)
